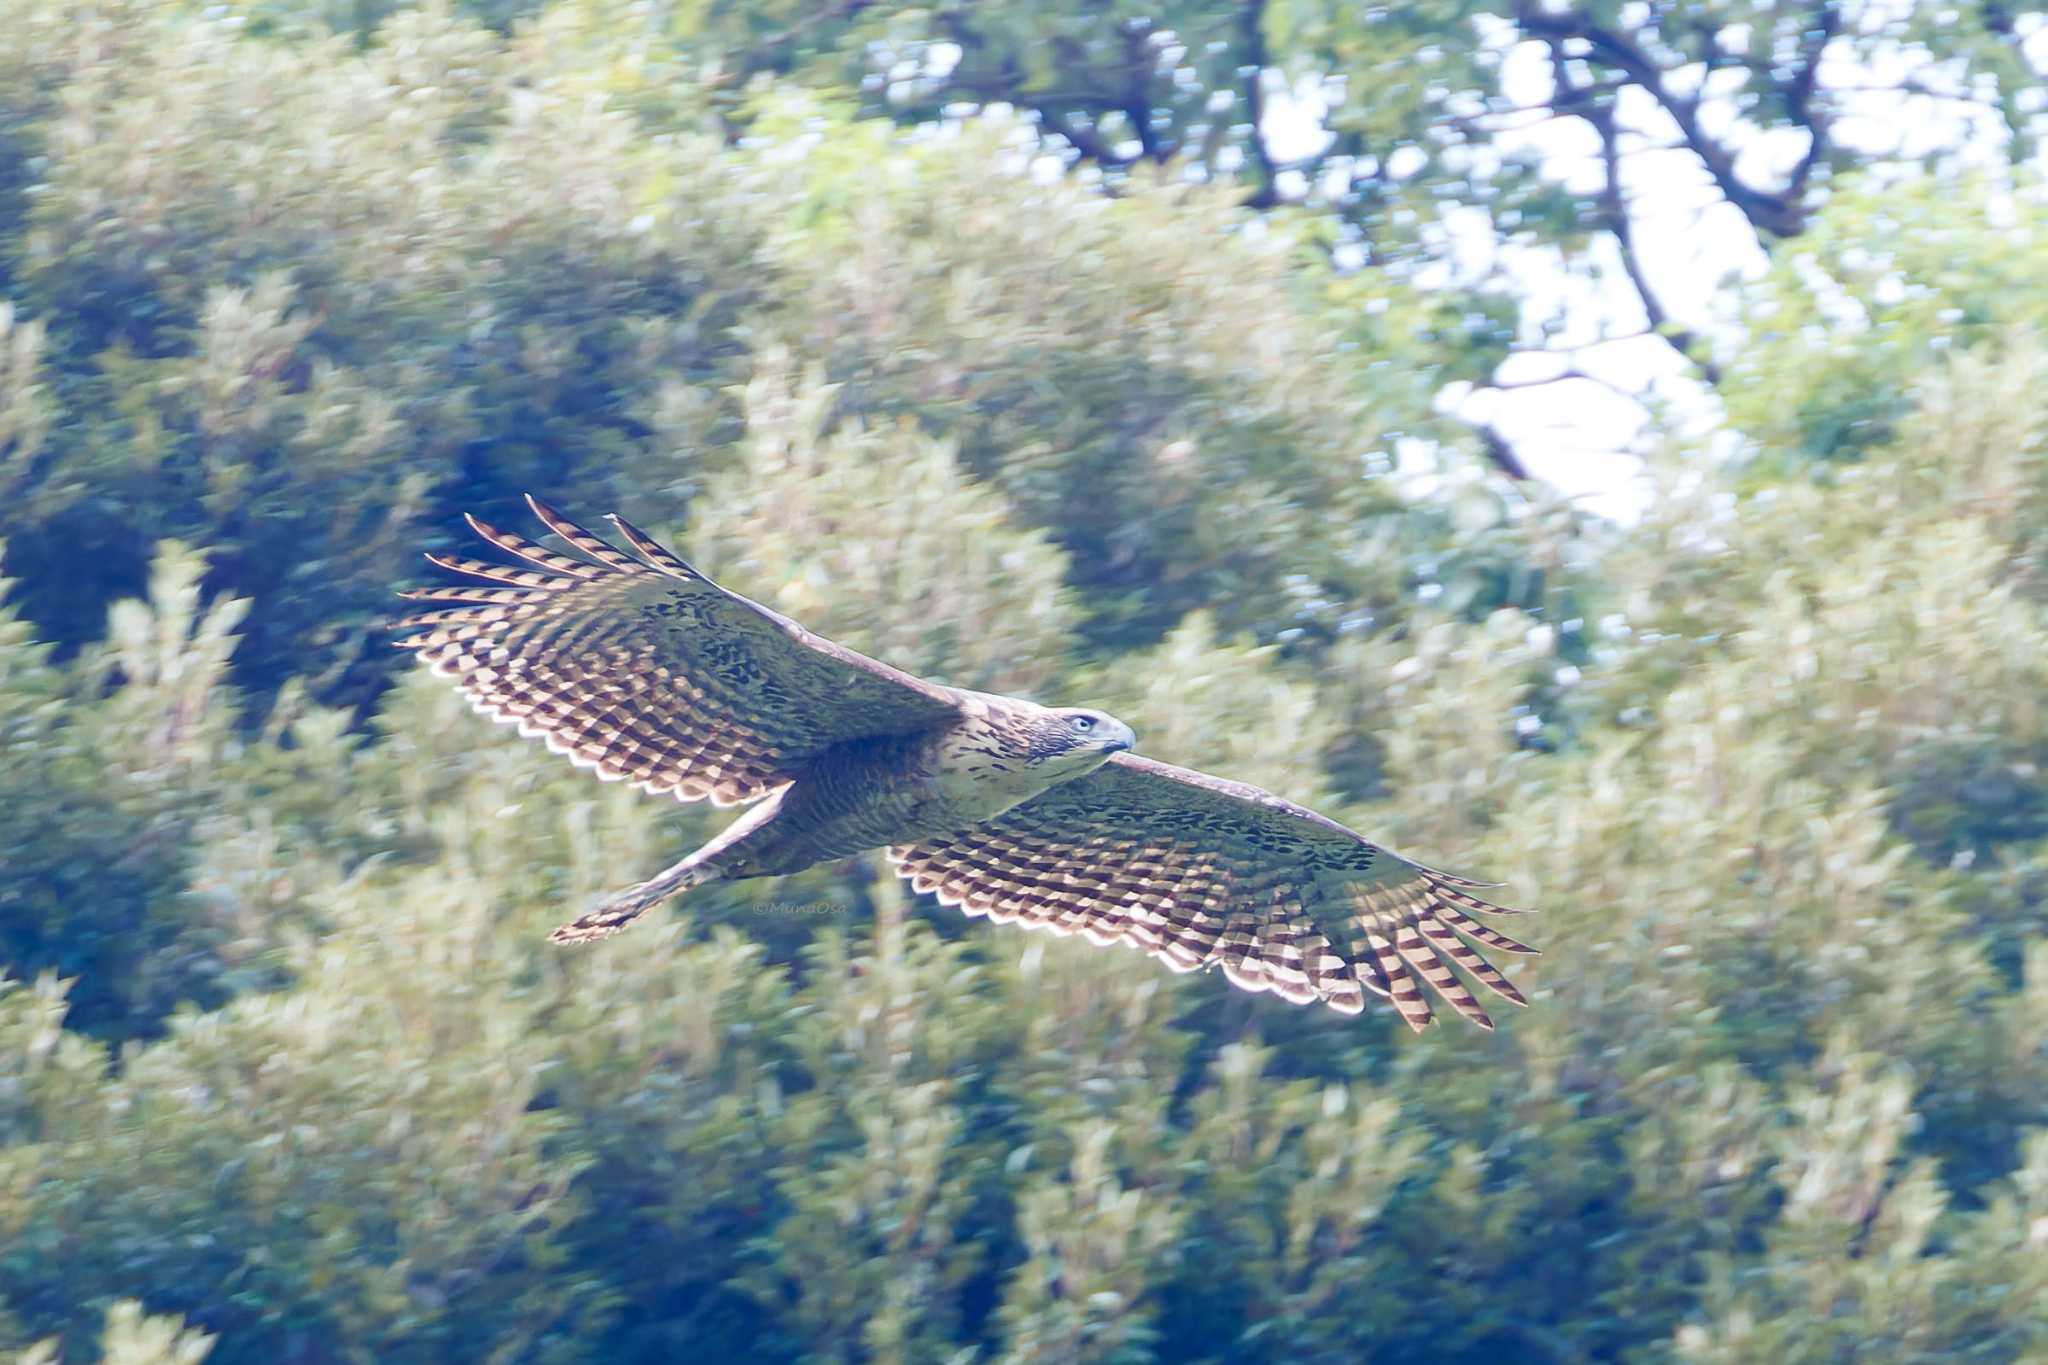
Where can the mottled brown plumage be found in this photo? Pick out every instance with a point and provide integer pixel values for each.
(648, 672)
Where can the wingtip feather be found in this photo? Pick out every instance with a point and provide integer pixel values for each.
(657, 555)
(550, 515)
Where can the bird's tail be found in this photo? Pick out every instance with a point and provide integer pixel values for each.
(616, 912)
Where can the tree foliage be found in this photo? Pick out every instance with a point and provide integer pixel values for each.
(287, 1067)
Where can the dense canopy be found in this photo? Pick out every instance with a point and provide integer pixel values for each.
(956, 340)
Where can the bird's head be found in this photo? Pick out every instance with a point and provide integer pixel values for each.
(1073, 740)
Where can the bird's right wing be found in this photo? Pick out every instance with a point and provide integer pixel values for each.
(1201, 871)
(648, 672)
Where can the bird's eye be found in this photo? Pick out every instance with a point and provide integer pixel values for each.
(1082, 722)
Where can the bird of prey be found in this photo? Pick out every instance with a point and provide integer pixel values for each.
(644, 670)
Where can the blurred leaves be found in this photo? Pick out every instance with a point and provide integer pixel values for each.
(288, 1070)
(877, 538)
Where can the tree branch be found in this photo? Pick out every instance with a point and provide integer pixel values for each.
(1254, 69)
(1569, 374)
(1799, 99)
(1781, 213)
(1141, 60)
(1500, 453)
(1614, 213)
(1089, 90)
(1086, 140)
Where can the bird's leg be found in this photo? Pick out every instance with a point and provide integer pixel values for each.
(707, 864)
(616, 912)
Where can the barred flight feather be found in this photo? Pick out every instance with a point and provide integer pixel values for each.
(648, 672)
(1200, 872)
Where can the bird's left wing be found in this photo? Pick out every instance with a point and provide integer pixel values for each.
(1200, 871)
(649, 672)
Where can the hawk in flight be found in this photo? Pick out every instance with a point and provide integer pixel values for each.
(646, 671)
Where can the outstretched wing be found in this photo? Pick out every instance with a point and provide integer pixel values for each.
(650, 673)
(1199, 871)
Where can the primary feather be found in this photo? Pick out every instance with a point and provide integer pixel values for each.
(649, 672)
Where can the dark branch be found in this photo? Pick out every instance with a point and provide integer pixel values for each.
(1254, 69)
(1570, 374)
(1500, 453)
(1781, 213)
(1141, 62)
(1089, 90)
(1086, 140)
(1800, 102)
(1614, 215)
